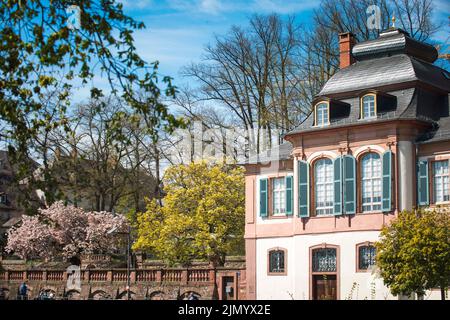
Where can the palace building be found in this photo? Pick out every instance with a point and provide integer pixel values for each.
(376, 142)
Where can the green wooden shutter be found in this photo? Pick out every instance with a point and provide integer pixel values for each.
(289, 196)
(263, 199)
(422, 184)
(338, 186)
(349, 175)
(386, 201)
(303, 189)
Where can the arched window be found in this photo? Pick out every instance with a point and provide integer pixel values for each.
(366, 256)
(324, 260)
(322, 114)
(371, 182)
(324, 189)
(368, 107)
(277, 261)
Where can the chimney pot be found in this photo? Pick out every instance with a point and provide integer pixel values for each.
(346, 43)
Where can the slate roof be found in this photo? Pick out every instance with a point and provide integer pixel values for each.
(393, 58)
(384, 71)
(279, 152)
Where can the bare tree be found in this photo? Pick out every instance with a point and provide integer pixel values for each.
(253, 73)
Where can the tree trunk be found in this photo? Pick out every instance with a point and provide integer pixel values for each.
(442, 293)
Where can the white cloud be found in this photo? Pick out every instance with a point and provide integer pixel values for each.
(215, 7)
(136, 4)
(283, 6)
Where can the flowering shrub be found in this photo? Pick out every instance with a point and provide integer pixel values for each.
(65, 231)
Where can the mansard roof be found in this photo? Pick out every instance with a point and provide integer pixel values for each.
(385, 71)
(394, 66)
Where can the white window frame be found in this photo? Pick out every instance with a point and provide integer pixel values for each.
(280, 191)
(324, 183)
(371, 106)
(322, 114)
(444, 194)
(373, 181)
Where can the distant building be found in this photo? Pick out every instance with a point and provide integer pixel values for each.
(10, 210)
(376, 142)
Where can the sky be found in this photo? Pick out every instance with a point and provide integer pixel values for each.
(178, 30)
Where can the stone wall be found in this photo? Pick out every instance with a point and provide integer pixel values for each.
(96, 284)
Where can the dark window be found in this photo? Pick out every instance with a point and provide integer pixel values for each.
(3, 198)
(276, 261)
(366, 255)
(324, 260)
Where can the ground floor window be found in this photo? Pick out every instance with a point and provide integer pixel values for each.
(324, 260)
(366, 256)
(277, 261)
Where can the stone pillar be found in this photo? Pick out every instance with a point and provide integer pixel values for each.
(158, 275)
(184, 276)
(406, 175)
(295, 186)
(109, 276)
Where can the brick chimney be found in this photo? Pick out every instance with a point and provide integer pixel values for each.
(346, 43)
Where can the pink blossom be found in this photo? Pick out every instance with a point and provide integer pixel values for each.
(65, 231)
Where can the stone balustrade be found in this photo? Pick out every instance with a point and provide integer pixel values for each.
(173, 276)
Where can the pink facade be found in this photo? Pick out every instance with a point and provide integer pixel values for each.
(409, 124)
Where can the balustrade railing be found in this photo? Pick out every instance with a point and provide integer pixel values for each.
(98, 275)
(119, 275)
(35, 275)
(146, 275)
(198, 276)
(115, 275)
(172, 276)
(55, 275)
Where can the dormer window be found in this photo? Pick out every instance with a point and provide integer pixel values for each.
(368, 106)
(322, 114)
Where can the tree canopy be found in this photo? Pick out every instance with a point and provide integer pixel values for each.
(65, 231)
(201, 217)
(414, 252)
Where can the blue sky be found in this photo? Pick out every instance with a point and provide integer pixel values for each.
(178, 30)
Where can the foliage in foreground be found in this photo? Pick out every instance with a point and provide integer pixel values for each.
(202, 215)
(414, 252)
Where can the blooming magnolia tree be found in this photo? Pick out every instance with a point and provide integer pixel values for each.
(65, 231)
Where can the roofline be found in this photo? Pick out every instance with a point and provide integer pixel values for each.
(349, 125)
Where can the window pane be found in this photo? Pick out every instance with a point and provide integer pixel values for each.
(324, 260)
(322, 114)
(279, 196)
(367, 256)
(371, 182)
(276, 260)
(368, 107)
(324, 187)
(441, 181)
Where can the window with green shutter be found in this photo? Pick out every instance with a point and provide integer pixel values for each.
(289, 196)
(338, 186)
(263, 199)
(422, 184)
(349, 174)
(386, 203)
(303, 189)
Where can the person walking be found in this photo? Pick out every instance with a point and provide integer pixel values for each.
(23, 291)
